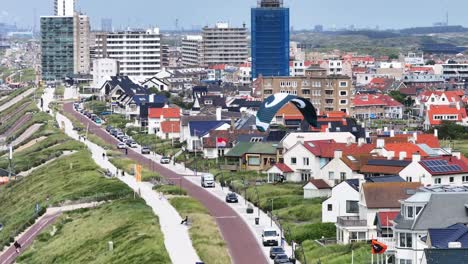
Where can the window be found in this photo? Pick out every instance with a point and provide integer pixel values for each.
(343, 84)
(405, 240)
(254, 161)
(306, 161)
(352, 207)
(343, 93)
(331, 175)
(305, 176)
(406, 261)
(293, 161)
(330, 207)
(410, 212)
(409, 179)
(342, 176)
(451, 179)
(437, 181)
(465, 178)
(343, 102)
(418, 210)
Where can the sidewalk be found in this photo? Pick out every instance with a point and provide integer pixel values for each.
(16, 99)
(176, 237)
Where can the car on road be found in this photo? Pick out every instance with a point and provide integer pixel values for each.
(98, 121)
(132, 144)
(121, 146)
(207, 180)
(274, 251)
(165, 160)
(114, 132)
(231, 198)
(270, 237)
(145, 150)
(282, 259)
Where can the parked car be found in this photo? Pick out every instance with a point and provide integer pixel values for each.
(231, 198)
(113, 131)
(109, 128)
(274, 251)
(165, 160)
(281, 259)
(145, 150)
(132, 144)
(270, 237)
(97, 120)
(121, 146)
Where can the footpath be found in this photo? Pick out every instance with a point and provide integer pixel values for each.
(176, 236)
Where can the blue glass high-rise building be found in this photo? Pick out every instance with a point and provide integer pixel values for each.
(270, 39)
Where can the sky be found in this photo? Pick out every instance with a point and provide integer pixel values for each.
(305, 14)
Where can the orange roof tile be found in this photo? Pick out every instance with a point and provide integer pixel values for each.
(165, 112)
(289, 110)
(170, 127)
(409, 148)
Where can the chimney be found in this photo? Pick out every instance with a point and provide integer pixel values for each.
(415, 136)
(361, 141)
(458, 105)
(402, 155)
(385, 129)
(338, 154)
(436, 133)
(456, 154)
(380, 143)
(233, 124)
(390, 155)
(416, 157)
(218, 113)
(392, 133)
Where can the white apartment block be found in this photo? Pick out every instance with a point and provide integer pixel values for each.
(64, 7)
(192, 50)
(103, 69)
(224, 45)
(81, 39)
(137, 51)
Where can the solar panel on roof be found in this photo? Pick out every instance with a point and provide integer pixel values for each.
(441, 166)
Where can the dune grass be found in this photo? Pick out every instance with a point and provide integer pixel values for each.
(204, 232)
(74, 177)
(335, 254)
(83, 236)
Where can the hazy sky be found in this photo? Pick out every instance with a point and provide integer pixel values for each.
(304, 13)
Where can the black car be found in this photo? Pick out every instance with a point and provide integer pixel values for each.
(281, 259)
(274, 251)
(231, 198)
(109, 128)
(145, 150)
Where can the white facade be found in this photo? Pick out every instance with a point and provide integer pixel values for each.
(414, 59)
(339, 137)
(310, 191)
(103, 69)
(192, 51)
(337, 171)
(297, 69)
(138, 52)
(390, 65)
(336, 205)
(64, 7)
(366, 78)
(304, 164)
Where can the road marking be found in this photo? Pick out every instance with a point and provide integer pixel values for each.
(226, 217)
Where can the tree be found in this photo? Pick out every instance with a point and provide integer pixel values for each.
(430, 62)
(397, 95)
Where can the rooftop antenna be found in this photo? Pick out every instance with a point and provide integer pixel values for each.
(447, 19)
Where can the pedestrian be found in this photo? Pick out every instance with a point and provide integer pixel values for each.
(126, 151)
(17, 246)
(103, 155)
(117, 172)
(123, 173)
(184, 221)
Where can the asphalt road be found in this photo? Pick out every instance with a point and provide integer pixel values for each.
(9, 256)
(241, 242)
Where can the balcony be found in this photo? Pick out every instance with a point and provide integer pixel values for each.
(350, 221)
(389, 241)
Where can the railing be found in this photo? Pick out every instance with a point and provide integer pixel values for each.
(351, 221)
(389, 241)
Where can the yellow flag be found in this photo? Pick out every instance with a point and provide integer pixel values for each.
(138, 172)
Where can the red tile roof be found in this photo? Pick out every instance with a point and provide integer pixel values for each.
(165, 112)
(407, 147)
(451, 161)
(421, 69)
(445, 110)
(170, 127)
(218, 67)
(289, 110)
(386, 218)
(387, 194)
(428, 139)
(231, 136)
(326, 148)
(320, 184)
(373, 100)
(283, 167)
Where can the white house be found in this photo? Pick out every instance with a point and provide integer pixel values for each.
(337, 170)
(316, 189)
(158, 115)
(447, 170)
(292, 138)
(278, 172)
(303, 162)
(339, 203)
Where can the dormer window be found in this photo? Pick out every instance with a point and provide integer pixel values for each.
(410, 212)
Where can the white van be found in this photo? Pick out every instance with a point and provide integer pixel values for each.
(270, 237)
(207, 180)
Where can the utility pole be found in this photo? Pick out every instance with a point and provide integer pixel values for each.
(10, 163)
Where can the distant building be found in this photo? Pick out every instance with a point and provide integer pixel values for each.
(270, 39)
(223, 44)
(106, 24)
(64, 7)
(192, 51)
(138, 51)
(103, 69)
(326, 92)
(81, 32)
(57, 43)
